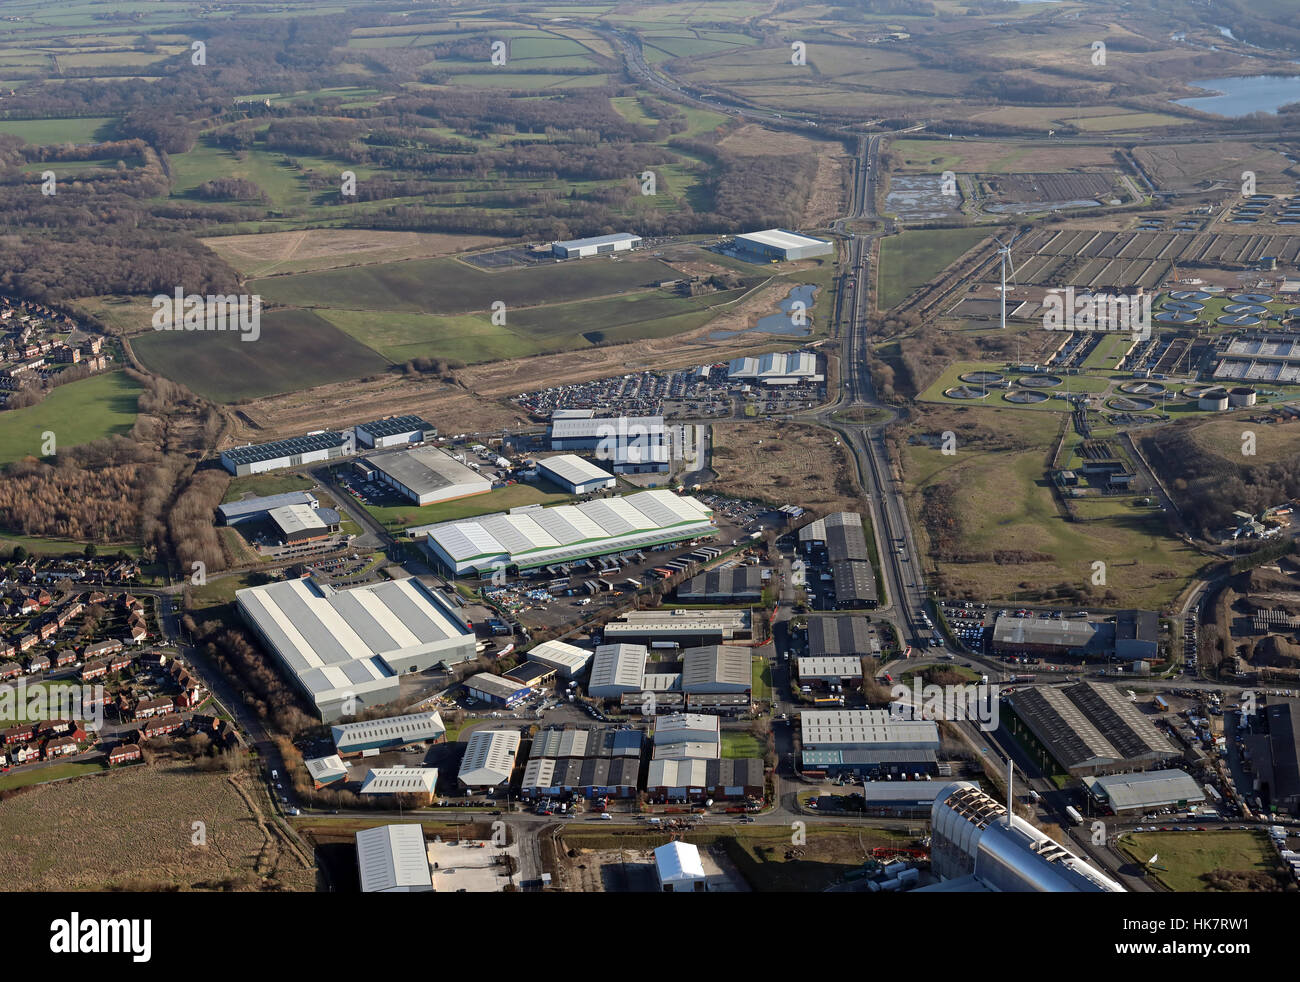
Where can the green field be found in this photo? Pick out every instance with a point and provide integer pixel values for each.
(44, 132)
(737, 744)
(449, 286)
(1188, 856)
(25, 777)
(76, 413)
(297, 349)
(267, 484)
(397, 517)
(762, 676)
(910, 260)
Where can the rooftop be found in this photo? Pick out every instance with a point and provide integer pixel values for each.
(573, 469)
(425, 470)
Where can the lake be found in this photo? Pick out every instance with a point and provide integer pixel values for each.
(782, 323)
(1243, 95)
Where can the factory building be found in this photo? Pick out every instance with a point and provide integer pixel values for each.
(568, 659)
(394, 431)
(393, 859)
(688, 728)
(1137, 794)
(345, 649)
(1273, 746)
(427, 475)
(1133, 635)
(781, 245)
(628, 444)
(685, 627)
(590, 761)
(976, 847)
(776, 368)
(866, 742)
(256, 509)
(616, 669)
(733, 585)
(717, 668)
(842, 539)
(681, 778)
(301, 523)
(372, 736)
(325, 771)
(830, 670)
(530, 537)
(383, 781)
(489, 759)
(842, 636)
(575, 475)
(599, 245)
(1091, 729)
(496, 690)
(310, 449)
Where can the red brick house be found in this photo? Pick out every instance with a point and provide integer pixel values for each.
(149, 708)
(123, 753)
(61, 747)
(65, 658)
(39, 663)
(119, 663)
(94, 669)
(160, 727)
(101, 649)
(10, 670)
(18, 734)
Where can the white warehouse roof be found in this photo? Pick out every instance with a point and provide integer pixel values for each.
(686, 727)
(775, 366)
(489, 758)
(865, 729)
(324, 770)
(567, 658)
(573, 469)
(400, 780)
(617, 668)
(390, 730)
(541, 536)
(393, 858)
(781, 239)
(678, 862)
(1151, 789)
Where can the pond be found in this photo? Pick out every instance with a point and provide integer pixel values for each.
(782, 323)
(1243, 95)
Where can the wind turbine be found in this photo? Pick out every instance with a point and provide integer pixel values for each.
(1004, 251)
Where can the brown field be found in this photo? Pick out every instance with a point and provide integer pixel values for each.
(827, 200)
(1223, 437)
(976, 157)
(1186, 165)
(132, 829)
(329, 248)
(781, 462)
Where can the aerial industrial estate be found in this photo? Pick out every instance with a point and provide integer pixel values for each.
(649, 448)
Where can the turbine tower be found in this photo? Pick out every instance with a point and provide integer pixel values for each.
(1004, 252)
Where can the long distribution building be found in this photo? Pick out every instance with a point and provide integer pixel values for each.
(776, 368)
(575, 475)
(629, 444)
(310, 449)
(865, 741)
(597, 245)
(346, 648)
(394, 431)
(530, 537)
(427, 475)
(781, 244)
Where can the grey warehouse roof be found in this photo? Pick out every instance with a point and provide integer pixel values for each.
(1147, 790)
(286, 448)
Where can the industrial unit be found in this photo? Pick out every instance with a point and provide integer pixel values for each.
(496, 689)
(575, 475)
(529, 537)
(717, 668)
(629, 444)
(325, 771)
(568, 659)
(776, 368)
(427, 475)
(1090, 728)
(597, 245)
(310, 449)
(687, 728)
(346, 648)
(686, 627)
(781, 244)
(256, 509)
(393, 859)
(302, 523)
(489, 759)
(401, 780)
(616, 669)
(679, 870)
(590, 761)
(846, 636)
(1273, 746)
(733, 585)
(842, 536)
(976, 847)
(390, 733)
(1137, 794)
(695, 779)
(830, 669)
(394, 431)
(867, 741)
(1133, 635)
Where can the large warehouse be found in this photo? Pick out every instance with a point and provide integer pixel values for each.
(256, 509)
(393, 859)
(1090, 728)
(868, 741)
(394, 431)
(733, 585)
(346, 648)
(1132, 635)
(776, 368)
(845, 636)
(597, 245)
(388, 733)
(575, 475)
(529, 537)
(717, 668)
(780, 244)
(259, 458)
(302, 523)
(629, 444)
(1274, 747)
(1137, 794)
(427, 475)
